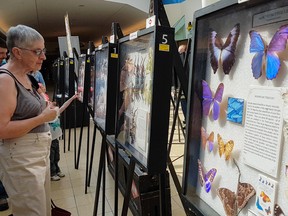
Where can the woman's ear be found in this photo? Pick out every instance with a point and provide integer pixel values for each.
(16, 53)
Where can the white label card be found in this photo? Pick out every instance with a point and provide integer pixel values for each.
(133, 35)
(150, 21)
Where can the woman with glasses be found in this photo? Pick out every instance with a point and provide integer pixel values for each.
(24, 132)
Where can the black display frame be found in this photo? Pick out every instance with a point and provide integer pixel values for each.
(160, 106)
(92, 83)
(69, 77)
(81, 77)
(111, 88)
(193, 203)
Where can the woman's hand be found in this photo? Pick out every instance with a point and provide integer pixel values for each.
(50, 113)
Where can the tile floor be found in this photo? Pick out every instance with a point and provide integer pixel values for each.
(69, 192)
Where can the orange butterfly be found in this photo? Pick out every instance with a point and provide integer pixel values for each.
(225, 148)
(265, 197)
(207, 138)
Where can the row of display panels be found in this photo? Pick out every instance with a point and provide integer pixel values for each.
(236, 156)
(127, 88)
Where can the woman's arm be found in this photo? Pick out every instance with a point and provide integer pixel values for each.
(8, 102)
(68, 102)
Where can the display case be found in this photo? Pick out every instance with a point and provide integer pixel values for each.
(81, 76)
(69, 77)
(236, 151)
(92, 83)
(145, 71)
(106, 62)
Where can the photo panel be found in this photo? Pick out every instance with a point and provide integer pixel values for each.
(91, 91)
(66, 76)
(81, 76)
(141, 66)
(101, 81)
(106, 62)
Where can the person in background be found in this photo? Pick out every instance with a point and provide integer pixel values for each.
(3, 195)
(56, 132)
(3, 52)
(182, 50)
(24, 132)
(39, 78)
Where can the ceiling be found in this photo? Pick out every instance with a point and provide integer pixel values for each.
(89, 19)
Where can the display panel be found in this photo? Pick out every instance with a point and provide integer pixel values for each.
(66, 76)
(81, 76)
(106, 62)
(141, 67)
(136, 78)
(92, 82)
(101, 69)
(237, 93)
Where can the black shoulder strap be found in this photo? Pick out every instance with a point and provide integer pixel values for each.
(34, 82)
(3, 70)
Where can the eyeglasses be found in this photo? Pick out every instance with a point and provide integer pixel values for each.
(37, 52)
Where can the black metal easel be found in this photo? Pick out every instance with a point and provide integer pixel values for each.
(117, 33)
(85, 109)
(180, 70)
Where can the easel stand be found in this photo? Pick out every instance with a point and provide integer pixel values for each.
(101, 170)
(86, 110)
(128, 186)
(92, 155)
(84, 114)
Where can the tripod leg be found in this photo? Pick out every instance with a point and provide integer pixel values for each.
(92, 155)
(116, 180)
(128, 186)
(87, 156)
(100, 169)
(162, 196)
(80, 138)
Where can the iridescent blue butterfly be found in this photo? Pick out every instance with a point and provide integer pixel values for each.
(206, 179)
(266, 58)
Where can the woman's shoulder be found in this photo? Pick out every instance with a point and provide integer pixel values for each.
(6, 80)
(5, 75)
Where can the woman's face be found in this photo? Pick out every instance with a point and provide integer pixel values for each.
(33, 56)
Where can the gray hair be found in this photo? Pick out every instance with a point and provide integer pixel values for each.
(22, 36)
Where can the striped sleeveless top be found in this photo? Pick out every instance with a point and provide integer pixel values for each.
(29, 104)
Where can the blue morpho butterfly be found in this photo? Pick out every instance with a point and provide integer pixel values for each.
(206, 179)
(266, 58)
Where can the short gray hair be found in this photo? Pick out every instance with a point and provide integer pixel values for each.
(22, 36)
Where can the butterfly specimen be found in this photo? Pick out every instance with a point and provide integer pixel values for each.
(223, 54)
(206, 179)
(268, 211)
(223, 148)
(212, 103)
(266, 58)
(258, 204)
(205, 138)
(278, 211)
(233, 201)
(265, 197)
